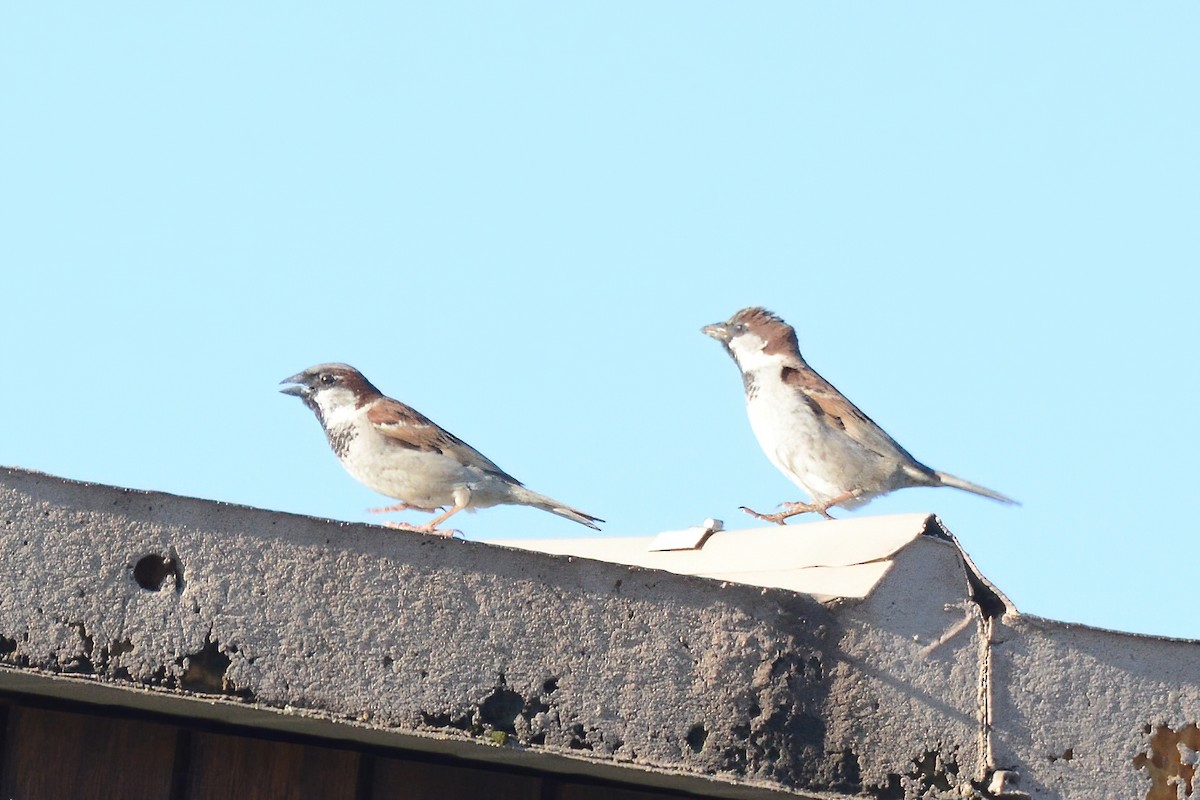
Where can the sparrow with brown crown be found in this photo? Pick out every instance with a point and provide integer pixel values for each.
(810, 431)
(401, 453)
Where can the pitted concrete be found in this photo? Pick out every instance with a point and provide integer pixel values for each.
(924, 689)
(414, 633)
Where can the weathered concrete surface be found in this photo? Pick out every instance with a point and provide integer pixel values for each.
(1076, 709)
(417, 634)
(922, 689)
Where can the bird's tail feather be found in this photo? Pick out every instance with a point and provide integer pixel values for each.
(528, 498)
(958, 483)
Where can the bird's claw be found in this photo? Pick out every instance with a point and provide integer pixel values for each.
(805, 508)
(404, 526)
(790, 510)
(778, 519)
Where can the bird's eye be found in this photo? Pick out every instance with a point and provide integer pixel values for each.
(327, 379)
(739, 328)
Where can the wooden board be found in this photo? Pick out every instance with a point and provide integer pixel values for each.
(575, 791)
(54, 754)
(222, 767)
(395, 779)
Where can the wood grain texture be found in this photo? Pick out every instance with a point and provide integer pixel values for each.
(55, 754)
(575, 791)
(410, 780)
(223, 767)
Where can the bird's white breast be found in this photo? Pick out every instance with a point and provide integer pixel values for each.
(791, 435)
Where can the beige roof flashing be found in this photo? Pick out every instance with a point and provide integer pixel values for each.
(845, 558)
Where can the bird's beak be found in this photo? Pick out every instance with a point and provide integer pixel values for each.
(718, 331)
(299, 387)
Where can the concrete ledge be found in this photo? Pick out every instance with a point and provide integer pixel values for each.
(929, 686)
(453, 642)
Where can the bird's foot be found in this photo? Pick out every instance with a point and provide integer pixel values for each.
(844, 497)
(781, 517)
(796, 509)
(426, 528)
(401, 507)
(791, 509)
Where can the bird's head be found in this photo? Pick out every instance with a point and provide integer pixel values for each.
(331, 390)
(755, 337)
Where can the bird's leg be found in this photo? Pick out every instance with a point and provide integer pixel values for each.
(401, 507)
(790, 510)
(428, 527)
(461, 498)
(794, 509)
(844, 497)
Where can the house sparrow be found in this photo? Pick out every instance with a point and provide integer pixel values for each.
(399, 452)
(810, 431)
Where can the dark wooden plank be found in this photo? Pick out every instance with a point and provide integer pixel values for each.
(5, 707)
(222, 767)
(59, 754)
(395, 779)
(576, 791)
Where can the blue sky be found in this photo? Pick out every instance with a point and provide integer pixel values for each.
(516, 217)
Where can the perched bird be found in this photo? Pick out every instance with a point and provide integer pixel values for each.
(810, 431)
(401, 453)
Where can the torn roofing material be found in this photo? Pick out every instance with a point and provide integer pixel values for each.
(845, 558)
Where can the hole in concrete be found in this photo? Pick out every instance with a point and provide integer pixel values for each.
(1169, 760)
(205, 672)
(388, 661)
(578, 738)
(847, 773)
(160, 677)
(696, 737)
(501, 709)
(115, 649)
(550, 686)
(932, 770)
(81, 663)
(533, 707)
(151, 571)
(462, 723)
(892, 790)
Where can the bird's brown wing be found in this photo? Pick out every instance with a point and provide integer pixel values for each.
(836, 411)
(409, 428)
